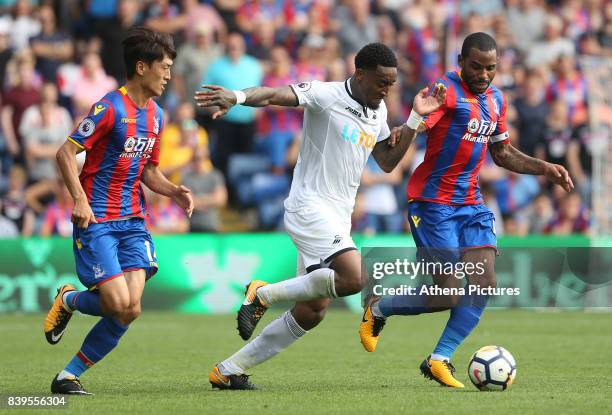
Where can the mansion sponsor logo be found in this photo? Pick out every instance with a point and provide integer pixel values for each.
(479, 131)
(138, 147)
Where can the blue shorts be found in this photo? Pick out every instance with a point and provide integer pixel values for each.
(106, 250)
(444, 232)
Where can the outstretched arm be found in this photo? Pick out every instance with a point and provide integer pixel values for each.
(217, 96)
(509, 157)
(389, 152)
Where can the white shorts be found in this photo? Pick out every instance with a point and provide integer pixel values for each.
(319, 237)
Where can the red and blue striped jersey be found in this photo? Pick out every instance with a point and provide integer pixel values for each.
(119, 138)
(457, 137)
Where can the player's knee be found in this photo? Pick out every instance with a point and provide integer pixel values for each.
(309, 318)
(130, 314)
(488, 280)
(116, 305)
(350, 284)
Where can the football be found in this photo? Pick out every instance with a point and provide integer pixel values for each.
(492, 368)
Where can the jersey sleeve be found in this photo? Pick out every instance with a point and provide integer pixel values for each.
(431, 119)
(501, 131)
(98, 123)
(315, 95)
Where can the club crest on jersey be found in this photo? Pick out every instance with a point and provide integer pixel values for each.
(155, 125)
(86, 127)
(138, 147)
(495, 107)
(303, 86)
(472, 126)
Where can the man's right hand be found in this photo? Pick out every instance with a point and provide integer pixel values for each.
(82, 215)
(215, 96)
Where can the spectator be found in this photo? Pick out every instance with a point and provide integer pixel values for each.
(310, 64)
(532, 111)
(553, 45)
(8, 229)
(527, 21)
(51, 47)
(23, 25)
(51, 202)
(16, 100)
(276, 126)
(6, 52)
(539, 214)
(14, 207)
(209, 192)
(44, 127)
(234, 70)
(192, 61)
(192, 14)
(557, 136)
(579, 161)
(357, 25)
(571, 218)
(179, 141)
(112, 32)
(570, 86)
(90, 83)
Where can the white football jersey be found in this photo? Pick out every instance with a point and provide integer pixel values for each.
(338, 137)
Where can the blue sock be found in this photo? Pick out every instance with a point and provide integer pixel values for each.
(464, 317)
(87, 302)
(403, 305)
(102, 338)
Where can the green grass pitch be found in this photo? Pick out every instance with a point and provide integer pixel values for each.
(564, 364)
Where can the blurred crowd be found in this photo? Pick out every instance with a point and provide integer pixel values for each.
(58, 57)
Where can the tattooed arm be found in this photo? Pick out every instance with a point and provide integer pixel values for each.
(217, 96)
(509, 157)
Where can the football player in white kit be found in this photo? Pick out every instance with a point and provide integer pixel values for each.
(343, 123)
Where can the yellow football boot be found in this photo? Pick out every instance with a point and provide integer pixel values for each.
(251, 310)
(371, 325)
(58, 316)
(442, 371)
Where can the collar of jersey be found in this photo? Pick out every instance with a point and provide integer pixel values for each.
(347, 86)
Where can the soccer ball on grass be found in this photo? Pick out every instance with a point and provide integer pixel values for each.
(492, 368)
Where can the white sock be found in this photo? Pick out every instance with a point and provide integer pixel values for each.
(274, 338)
(439, 357)
(65, 301)
(316, 284)
(63, 375)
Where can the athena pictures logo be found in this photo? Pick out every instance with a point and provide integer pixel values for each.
(86, 127)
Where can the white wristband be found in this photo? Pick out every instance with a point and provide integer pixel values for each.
(240, 96)
(414, 120)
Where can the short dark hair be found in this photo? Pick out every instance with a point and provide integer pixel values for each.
(374, 54)
(143, 44)
(478, 40)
